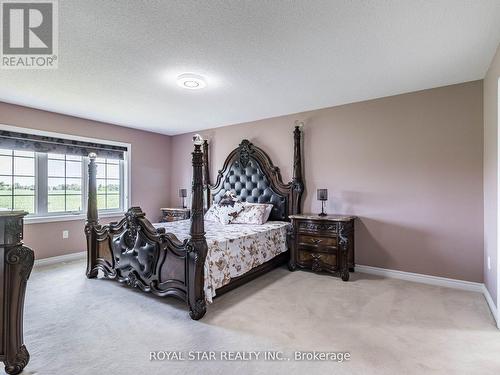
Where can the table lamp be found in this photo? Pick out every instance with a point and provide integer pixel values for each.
(322, 196)
(183, 195)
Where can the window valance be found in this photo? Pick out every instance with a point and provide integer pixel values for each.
(39, 143)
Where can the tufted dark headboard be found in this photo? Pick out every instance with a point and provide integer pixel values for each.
(250, 174)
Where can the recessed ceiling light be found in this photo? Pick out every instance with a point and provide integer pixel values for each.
(191, 81)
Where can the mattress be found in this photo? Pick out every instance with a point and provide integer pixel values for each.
(233, 249)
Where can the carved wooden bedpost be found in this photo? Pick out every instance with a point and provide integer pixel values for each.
(297, 189)
(92, 219)
(197, 246)
(298, 182)
(206, 174)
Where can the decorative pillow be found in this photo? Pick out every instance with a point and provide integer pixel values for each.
(228, 199)
(226, 214)
(212, 213)
(229, 208)
(253, 213)
(226, 210)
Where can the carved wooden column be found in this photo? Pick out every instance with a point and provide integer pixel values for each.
(197, 247)
(206, 174)
(297, 190)
(92, 219)
(16, 262)
(297, 180)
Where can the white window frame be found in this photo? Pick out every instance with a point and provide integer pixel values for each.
(126, 181)
(123, 177)
(35, 176)
(42, 189)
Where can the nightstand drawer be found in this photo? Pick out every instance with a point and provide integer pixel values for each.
(317, 227)
(317, 261)
(174, 214)
(317, 243)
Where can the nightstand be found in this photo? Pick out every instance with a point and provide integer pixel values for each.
(323, 243)
(174, 214)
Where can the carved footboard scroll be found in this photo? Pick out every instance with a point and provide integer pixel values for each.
(134, 252)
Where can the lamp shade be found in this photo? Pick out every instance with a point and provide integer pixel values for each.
(322, 194)
(183, 193)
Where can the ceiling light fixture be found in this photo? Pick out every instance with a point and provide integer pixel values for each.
(191, 81)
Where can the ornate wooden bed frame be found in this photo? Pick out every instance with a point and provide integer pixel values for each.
(134, 252)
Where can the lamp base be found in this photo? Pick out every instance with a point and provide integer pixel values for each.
(323, 213)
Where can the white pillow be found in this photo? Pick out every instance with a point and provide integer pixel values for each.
(211, 214)
(253, 213)
(269, 209)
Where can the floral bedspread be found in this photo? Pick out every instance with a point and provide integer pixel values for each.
(233, 249)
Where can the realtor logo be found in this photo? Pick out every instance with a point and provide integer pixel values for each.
(29, 34)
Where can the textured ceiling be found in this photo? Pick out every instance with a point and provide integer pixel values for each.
(119, 59)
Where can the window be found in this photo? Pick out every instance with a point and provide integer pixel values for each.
(42, 173)
(45, 184)
(64, 184)
(17, 180)
(109, 185)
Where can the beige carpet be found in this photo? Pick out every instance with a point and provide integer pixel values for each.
(79, 326)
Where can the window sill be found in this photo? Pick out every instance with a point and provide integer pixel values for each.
(57, 218)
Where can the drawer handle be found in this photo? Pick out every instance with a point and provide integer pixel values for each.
(316, 241)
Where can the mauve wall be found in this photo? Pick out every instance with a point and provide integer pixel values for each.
(150, 160)
(491, 103)
(410, 166)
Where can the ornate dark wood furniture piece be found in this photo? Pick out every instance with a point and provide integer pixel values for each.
(174, 214)
(134, 252)
(16, 262)
(323, 243)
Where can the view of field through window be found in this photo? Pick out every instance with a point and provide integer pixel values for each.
(64, 183)
(43, 184)
(108, 183)
(17, 180)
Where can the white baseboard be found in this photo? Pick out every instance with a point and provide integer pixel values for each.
(421, 278)
(434, 280)
(60, 259)
(491, 304)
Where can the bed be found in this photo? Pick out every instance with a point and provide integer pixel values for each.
(196, 260)
(233, 250)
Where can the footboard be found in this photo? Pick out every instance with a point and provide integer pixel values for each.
(134, 252)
